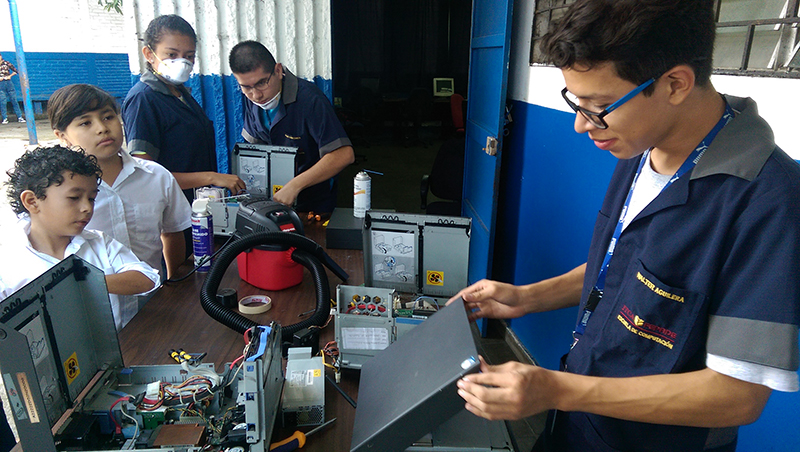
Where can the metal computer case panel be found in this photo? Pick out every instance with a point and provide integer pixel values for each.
(360, 337)
(445, 257)
(60, 318)
(391, 257)
(64, 320)
(410, 388)
(413, 253)
(263, 168)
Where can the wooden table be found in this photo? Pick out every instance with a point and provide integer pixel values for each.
(174, 319)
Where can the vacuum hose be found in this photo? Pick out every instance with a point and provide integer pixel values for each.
(307, 253)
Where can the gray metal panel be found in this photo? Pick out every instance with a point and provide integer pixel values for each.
(263, 166)
(262, 384)
(401, 396)
(433, 250)
(445, 259)
(467, 432)
(251, 163)
(282, 167)
(346, 324)
(25, 397)
(391, 256)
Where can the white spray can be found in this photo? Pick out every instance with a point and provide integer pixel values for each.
(362, 193)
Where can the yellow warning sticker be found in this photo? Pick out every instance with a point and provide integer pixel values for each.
(276, 188)
(435, 278)
(71, 368)
(317, 373)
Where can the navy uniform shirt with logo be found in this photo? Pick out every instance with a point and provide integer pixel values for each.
(304, 119)
(175, 133)
(711, 265)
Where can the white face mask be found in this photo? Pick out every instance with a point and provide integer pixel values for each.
(176, 71)
(270, 104)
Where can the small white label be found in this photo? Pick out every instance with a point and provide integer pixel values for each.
(297, 379)
(365, 338)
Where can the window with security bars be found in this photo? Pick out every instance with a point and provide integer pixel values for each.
(754, 37)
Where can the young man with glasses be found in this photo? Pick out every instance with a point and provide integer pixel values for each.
(689, 302)
(281, 109)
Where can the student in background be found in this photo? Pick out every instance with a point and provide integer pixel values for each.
(162, 120)
(52, 190)
(139, 204)
(7, 91)
(283, 110)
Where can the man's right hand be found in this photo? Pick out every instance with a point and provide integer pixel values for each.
(492, 299)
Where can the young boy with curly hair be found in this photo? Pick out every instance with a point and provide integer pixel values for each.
(53, 190)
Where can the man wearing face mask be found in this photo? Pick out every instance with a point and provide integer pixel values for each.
(281, 109)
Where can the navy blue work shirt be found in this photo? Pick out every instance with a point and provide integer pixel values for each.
(304, 119)
(711, 265)
(175, 133)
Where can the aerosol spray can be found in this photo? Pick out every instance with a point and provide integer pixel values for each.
(362, 192)
(202, 234)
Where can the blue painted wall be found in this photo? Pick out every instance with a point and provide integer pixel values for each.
(553, 183)
(49, 71)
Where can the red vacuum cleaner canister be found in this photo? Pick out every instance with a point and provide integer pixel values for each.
(268, 267)
(269, 270)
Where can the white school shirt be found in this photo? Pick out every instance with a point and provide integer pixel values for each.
(144, 201)
(23, 264)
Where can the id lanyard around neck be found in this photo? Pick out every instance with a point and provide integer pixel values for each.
(597, 292)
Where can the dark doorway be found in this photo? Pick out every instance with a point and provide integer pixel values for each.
(386, 54)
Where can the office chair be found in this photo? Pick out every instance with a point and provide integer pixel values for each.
(446, 179)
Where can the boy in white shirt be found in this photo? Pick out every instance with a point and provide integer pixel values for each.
(53, 190)
(140, 203)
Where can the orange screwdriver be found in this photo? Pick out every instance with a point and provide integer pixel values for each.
(297, 440)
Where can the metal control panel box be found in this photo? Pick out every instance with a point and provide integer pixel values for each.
(365, 323)
(423, 254)
(424, 258)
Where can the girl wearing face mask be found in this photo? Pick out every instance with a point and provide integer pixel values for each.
(162, 120)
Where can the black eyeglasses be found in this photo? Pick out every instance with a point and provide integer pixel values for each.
(596, 119)
(260, 85)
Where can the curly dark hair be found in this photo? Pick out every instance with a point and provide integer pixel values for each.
(643, 38)
(43, 167)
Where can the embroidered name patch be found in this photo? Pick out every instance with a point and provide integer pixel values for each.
(657, 290)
